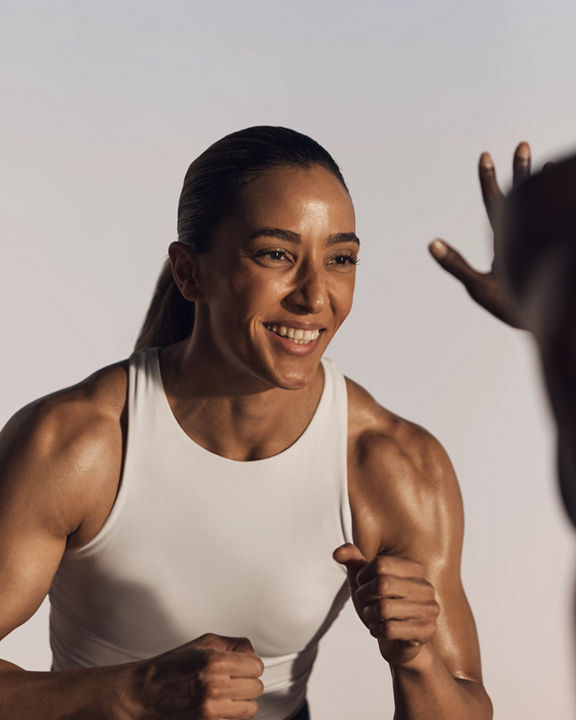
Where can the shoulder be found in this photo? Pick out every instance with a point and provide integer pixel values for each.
(56, 452)
(402, 483)
(378, 435)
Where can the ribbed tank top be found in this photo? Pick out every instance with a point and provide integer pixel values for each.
(199, 543)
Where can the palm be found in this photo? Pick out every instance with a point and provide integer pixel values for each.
(485, 288)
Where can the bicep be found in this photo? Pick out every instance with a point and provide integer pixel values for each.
(29, 558)
(32, 528)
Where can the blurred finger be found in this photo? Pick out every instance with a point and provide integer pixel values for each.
(453, 262)
(521, 163)
(491, 193)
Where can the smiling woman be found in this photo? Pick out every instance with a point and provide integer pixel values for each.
(200, 513)
(210, 195)
(284, 258)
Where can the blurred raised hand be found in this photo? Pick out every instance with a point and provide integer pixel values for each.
(485, 288)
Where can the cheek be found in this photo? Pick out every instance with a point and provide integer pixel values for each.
(343, 296)
(258, 293)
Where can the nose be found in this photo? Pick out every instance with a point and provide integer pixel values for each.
(310, 293)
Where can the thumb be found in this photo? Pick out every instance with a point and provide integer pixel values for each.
(352, 558)
(453, 262)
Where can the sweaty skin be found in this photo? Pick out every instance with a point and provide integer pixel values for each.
(287, 260)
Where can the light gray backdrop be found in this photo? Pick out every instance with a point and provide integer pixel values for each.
(103, 107)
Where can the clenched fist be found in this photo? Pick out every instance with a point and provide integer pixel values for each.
(212, 677)
(393, 599)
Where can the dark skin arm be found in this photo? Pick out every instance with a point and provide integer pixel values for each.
(404, 568)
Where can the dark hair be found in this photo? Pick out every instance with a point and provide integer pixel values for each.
(209, 195)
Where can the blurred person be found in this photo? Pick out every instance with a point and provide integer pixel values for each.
(532, 282)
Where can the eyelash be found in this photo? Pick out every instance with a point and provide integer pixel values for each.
(349, 259)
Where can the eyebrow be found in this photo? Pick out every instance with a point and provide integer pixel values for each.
(334, 239)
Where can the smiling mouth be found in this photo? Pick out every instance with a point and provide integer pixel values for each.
(296, 335)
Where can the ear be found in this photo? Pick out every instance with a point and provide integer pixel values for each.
(186, 271)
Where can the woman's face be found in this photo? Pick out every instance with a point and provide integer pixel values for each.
(279, 279)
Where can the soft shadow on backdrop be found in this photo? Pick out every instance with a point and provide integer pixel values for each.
(105, 106)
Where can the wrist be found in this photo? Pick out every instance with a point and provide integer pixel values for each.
(127, 691)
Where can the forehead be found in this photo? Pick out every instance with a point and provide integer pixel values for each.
(296, 198)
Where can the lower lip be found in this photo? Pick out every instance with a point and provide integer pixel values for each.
(291, 347)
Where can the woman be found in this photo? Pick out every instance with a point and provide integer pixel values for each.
(199, 489)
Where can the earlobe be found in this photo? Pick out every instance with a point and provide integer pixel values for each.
(185, 270)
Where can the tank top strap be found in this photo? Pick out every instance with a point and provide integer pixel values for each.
(338, 410)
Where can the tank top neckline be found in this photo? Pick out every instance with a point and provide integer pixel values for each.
(188, 442)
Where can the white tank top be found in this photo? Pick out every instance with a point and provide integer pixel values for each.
(199, 543)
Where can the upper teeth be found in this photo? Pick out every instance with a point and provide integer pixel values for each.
(295, 334)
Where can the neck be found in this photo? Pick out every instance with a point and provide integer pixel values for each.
(230, 414)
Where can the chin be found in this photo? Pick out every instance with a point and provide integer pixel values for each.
(296, 377)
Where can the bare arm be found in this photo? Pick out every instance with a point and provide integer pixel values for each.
(41, 505)
(58, 459)
(405, 574)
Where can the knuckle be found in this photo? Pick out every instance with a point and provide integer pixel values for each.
(209, 710)
(214, 661)
(429, 589)
(389, 631)
(260, 688)
(431, 608)
(384, 607)
(428, 632)
(206, 639)
(382, 563)
(380, 630)
(244, 643)
(417, 568)
(251, 709)
(214, 691)
(384, 584)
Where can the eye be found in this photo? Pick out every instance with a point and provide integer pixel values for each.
(272, 256)
(276, 254)
(343, 259)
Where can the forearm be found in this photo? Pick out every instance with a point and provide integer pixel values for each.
(424, 689)
(85, 694)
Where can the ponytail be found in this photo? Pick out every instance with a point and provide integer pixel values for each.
(170, 317)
